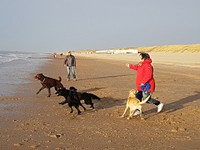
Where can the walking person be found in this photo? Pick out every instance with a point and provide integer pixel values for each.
(70, 63)
(145, 82)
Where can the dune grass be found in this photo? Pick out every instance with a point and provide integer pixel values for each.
(171, 48)
(192, 48)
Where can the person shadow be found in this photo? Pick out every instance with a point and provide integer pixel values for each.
(108, 76)
(177, 105)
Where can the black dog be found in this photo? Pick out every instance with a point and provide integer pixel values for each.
(87, 97)
(48, 83)
(71, 98)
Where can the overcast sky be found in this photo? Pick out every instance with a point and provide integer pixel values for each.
(58, 25)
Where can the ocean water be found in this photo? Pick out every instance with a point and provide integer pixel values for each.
(15, 68)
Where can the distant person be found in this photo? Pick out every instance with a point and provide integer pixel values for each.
(54, 55)
(145, 82)
(70, 63)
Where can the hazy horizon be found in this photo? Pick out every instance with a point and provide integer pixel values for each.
(54, 26)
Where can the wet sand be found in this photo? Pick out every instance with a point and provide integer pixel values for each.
(30, 121)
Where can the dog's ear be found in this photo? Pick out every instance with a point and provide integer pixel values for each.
(73, 88)
(135, 91)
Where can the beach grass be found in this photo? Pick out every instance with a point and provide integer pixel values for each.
(192, 48)
(171, 48)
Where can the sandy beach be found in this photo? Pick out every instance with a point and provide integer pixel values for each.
(30, 121)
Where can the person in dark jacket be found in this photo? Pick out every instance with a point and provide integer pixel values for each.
(70, 63)
(145, 82)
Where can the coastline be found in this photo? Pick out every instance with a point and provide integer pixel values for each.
(16, 67)
(36, 121)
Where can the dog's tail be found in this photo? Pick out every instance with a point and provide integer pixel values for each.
(146, 99)
(94, 96)
(59, 79)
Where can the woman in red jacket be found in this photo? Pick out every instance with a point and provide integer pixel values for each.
(145, 82)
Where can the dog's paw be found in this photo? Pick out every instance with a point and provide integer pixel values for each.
(142, 118)
(129, 118)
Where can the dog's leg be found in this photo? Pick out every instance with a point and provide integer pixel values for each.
(92, 106)
(40, 90)
(82, 106)
(131, 114)
(141, 116)
(140, 109)
(124, 112)
(88, 101)
(79, 112)
(71, 110)
(63, 102)
(49, 92)
(56, 89)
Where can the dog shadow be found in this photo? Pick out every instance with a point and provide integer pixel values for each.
(177, 105)
(104, 77)
(92, 89)
(109, 102)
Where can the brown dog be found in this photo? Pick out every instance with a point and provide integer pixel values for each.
(134, 104)
(48, 83)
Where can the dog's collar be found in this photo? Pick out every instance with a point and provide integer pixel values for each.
(43, 80)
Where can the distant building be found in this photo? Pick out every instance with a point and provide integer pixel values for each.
(117, 51)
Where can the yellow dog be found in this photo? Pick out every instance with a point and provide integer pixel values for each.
(134, 104)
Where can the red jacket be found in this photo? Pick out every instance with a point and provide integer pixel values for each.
(144, 74)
